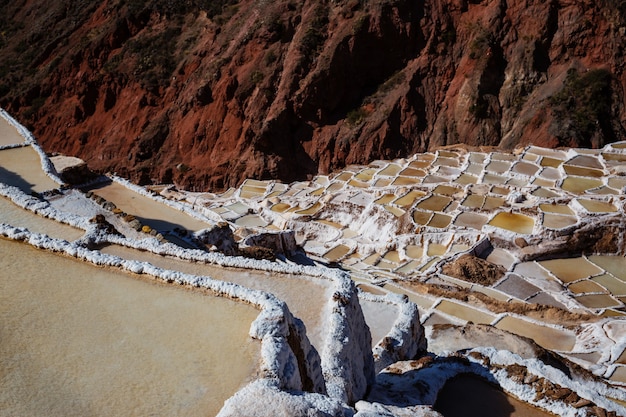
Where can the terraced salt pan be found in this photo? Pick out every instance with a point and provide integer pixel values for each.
(616, 265)
(544, 336)
(436, 249)
(21, 168)
(595, 206)
(304, 296)
(19, 217)
(494, 179)
(604, 190)
(470, 220)
(440, 221)
(545, 299)
(501, 257)
(466, 179)
(499, 167)
(9, 134)
(337, 253)
(422, 217)
(556, 208)
(556, 221)
(408, 199)
(517, 287)
(583, 171)
(596, 301)
(475, 201)
(80, 340)
(570, 270)
(251, 220)
(551, 162)
(465, 313)
(149, 212)
(585, 286)
(492, 203)
(434, 203)
(412, 172)
(619, 374)
(446, 161)
(379, 316)
(578, 185)
(612, 284)
(515, 222)
(617, 182)
(525, 168)
(437, 318)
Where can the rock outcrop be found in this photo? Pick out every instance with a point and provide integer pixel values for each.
(204, 94)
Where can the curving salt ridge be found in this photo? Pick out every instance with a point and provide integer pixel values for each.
(30, 140)
(345, 319)
(346, 367)
(275, 326)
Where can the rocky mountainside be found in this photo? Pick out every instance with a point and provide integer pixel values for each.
(205, 93)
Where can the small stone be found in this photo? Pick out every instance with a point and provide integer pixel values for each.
(582, 402)
(109, 206)
(598, 411)
(572, 398)
(135, 224)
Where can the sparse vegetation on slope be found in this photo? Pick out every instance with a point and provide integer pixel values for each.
(294, 88)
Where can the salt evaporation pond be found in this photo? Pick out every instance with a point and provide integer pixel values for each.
(380, 317)
(547, 337)
(514, 222)
(9, 134)
(305, 296)
(19, 217)
(471, 396)
(21, 168)
(150, 212)
(79, 340)
(616, 265)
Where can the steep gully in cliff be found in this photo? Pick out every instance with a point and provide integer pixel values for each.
(205, 95)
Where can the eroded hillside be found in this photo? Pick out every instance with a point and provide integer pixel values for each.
(206, 93)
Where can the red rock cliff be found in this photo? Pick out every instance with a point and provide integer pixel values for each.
(205, 93)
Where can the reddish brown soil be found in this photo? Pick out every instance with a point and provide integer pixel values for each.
(161, 92)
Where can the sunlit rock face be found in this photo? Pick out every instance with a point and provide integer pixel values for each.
(206, 96)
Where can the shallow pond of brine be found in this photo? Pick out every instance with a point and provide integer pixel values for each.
(18, 217)
(150, 212)
(21, 168)
(79, 340)
(9, 134)
(514, 222)
(305, 296)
